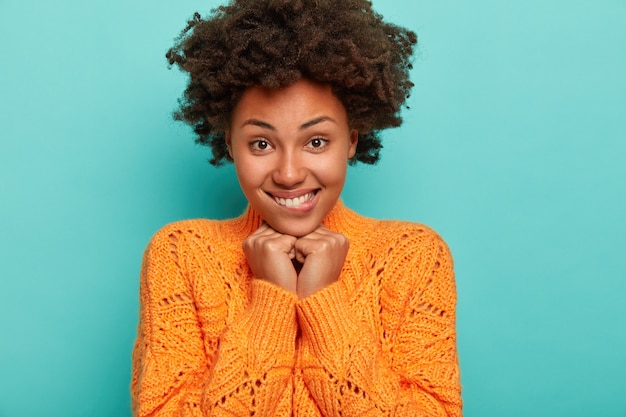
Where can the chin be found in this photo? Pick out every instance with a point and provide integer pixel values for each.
(292, 228)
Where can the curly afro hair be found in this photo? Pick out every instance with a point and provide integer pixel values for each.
(274, 43)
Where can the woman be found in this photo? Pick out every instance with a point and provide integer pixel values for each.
(300, 306)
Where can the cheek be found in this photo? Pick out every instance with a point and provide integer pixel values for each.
(332, 170)
(249, 173)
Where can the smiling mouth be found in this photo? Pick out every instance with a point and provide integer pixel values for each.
(296, 201)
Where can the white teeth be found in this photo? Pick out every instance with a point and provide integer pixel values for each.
(294, 202)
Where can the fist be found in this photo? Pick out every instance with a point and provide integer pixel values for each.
(322, 254)
(270, 255)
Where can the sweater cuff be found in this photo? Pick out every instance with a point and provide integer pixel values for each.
(271, 317)
(326, 320)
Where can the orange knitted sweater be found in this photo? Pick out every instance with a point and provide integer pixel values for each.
(214, 341)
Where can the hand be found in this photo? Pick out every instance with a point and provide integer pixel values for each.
(270, 255)
(322, 253)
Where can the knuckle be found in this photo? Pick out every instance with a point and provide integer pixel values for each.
(325, 245)
(271, 245)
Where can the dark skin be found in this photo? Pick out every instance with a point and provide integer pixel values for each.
(321, 254)
(293, 144)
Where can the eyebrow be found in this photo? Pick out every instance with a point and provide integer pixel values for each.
(304, 126)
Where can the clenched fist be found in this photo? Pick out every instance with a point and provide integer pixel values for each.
(321, 253)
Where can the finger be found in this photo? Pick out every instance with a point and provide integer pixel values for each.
(321, 243)
(263, 232)
(276, 243)
(321, 232)
(306, 246)
(300, 257)
(264, 229)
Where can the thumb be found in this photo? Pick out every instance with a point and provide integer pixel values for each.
(300, 256)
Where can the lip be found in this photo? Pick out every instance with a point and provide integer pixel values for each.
(291, 193)
(304, 207)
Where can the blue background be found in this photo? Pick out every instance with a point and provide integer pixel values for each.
(513, 149)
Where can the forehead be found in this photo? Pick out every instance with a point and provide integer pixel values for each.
(296, 103)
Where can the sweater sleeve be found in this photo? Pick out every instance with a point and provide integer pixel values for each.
(187, 366)
(405, 366)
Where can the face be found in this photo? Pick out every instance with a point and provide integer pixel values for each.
(291, 148)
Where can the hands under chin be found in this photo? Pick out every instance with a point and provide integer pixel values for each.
(277, 258)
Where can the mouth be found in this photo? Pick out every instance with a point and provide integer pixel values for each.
(295, 202)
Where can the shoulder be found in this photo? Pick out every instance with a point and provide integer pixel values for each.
(402, 229)
(182, 252)
(358, 227)
(394, 242)
(412, 241)
(190, 234)
(396, 235)
(177, 230)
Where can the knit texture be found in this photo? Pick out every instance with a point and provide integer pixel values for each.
(214, 341)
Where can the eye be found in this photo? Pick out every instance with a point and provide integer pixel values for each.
(317, 143)
(260, 145)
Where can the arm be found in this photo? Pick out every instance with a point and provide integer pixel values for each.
(405, 364)
(189, 359)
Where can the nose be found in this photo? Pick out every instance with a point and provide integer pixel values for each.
(289, 170)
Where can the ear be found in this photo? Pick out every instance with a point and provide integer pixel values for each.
(354, 140)
(229, 143)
